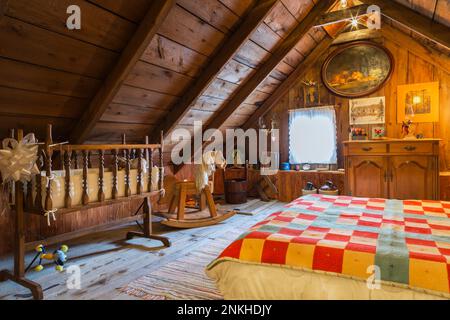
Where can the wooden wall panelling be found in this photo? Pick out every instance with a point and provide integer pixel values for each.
(409, 68)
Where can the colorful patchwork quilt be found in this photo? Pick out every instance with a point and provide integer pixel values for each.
(408, 241)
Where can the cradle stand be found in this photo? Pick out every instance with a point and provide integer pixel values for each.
(147, 227)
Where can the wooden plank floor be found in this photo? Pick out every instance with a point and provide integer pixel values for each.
(108, 262)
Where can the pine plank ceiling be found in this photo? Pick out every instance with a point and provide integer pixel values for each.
(49, 74)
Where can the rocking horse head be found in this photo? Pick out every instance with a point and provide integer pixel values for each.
(210, 161)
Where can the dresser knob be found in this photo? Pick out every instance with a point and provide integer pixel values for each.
(367, 148)
(410, 148)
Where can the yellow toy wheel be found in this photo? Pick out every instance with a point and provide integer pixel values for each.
(39, 268)
(59, 268)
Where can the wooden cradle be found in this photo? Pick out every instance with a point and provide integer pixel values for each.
(36, 197)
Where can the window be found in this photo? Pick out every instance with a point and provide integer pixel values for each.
(312, 136)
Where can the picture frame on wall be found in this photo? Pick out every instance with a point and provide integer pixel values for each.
(418, 102)
(358, 69)
(367, 111)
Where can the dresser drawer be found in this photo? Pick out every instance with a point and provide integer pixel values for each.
(367, 148)
(410, 148)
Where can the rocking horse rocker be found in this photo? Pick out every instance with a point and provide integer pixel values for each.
(179, 215)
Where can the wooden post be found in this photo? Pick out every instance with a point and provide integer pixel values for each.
(19, 253)
(67, 163)
(18, 274)
(85, 197)
(139, 173)
(115, 190)
(101, 173)
(161, 161)
(48, 168)
(150, 169)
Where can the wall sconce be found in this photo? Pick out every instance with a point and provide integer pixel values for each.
(344, 3)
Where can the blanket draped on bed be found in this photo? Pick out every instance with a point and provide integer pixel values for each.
(409, 241)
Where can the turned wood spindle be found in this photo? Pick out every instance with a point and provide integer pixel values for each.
(150, 169)
(89, 160)
(115, 160)
(127, 173)
(139, 173)
(38, 181)
(48, 168)
(85, 197)
(101, 172)
(67, 163)
(75, 160)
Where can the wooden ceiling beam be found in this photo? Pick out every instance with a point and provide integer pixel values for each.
(413, 20)
(141, 39)
(343, 15)
(264, 71)
(224, 54)
(362, 34)
(287, 84)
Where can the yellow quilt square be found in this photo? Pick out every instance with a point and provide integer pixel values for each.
(300, 255)
(428, 275)
(441, 233)
(251, 249)
(356, 263)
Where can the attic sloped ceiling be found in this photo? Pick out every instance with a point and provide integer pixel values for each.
(50, 74)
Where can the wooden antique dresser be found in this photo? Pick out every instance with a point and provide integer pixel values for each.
(393, 169)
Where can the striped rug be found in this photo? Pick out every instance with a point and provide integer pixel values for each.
(181, 279)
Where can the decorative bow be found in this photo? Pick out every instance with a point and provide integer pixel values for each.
(18, 159)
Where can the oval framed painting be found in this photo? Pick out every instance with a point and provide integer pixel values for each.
(358, 69)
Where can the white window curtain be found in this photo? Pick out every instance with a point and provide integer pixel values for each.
(312, 136)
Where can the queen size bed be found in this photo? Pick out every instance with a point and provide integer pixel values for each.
(338, 247)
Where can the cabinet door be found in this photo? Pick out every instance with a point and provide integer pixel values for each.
(411, 177)
(367, 177)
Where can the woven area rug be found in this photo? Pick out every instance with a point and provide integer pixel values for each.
(181, 279)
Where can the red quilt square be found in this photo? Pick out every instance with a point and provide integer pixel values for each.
(365, 234)
(361, 247)
(369, 224)
(274, 252)
(319, 229)
(304, 240)
(372, 215)
(281, 218)
(420, 242)
(290, 232)
(427, 257)
(432, 209)
(337, 237)
(258, 235)
(412, 203)
(417, 230)
(233, 250)
(374, 208)
(328, 259)
(306, 216)
(437, 227)
(317, 209)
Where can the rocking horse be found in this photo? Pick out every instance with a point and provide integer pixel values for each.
(181, 216)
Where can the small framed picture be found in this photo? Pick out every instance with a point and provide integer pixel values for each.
(378, 132)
